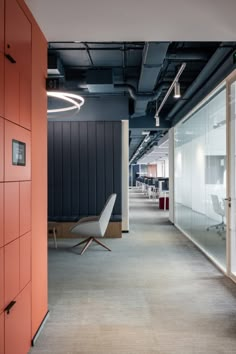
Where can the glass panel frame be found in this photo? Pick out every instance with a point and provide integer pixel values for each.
(200, 153)
(230, 201)
(231, 176)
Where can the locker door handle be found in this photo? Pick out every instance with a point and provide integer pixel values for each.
(10, 58)
(9, 306)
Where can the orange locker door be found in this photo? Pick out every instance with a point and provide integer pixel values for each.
(17, 65)
(1, 84)
(1, 57)
(1, 149)
(2, 333)
(25, 101)
(17, 42)
(12, 92)
(1, 216)
(12, 271)
(25, 207)
(2, 26)
(18, 324)
(11, 211)
(1, 280)
(25, 260)
(25, 75)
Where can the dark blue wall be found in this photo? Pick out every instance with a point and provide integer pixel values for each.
(84, 167)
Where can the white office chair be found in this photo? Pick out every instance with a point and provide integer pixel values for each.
(220, 210)
(95, 226)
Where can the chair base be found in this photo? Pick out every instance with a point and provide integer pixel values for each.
(88, 242)
(217, 226)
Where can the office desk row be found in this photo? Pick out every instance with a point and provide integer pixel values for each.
(156, 188)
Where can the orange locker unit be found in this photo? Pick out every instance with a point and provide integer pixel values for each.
(1, 60)
(16, 95)
(17, 65)
(15, 177)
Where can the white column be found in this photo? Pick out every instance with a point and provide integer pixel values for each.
(171, 175)
(125, 175)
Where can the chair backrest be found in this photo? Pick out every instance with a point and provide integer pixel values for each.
(106, 213)
(218, 209)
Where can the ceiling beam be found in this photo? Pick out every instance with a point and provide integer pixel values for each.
(154, 54)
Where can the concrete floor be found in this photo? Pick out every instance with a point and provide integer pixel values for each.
(154, 293)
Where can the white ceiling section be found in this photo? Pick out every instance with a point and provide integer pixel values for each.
(135, 20)
(156, 153)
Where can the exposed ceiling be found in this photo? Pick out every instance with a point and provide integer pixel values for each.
(102, 51)
(138, 74)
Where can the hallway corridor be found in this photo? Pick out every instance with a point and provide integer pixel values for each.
(154, 293)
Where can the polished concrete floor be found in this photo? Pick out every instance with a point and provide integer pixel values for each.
(154, 293)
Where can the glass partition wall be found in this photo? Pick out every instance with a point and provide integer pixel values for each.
(200, 176)
(232, 176)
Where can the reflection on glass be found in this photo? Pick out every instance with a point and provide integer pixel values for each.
(233, 177)
(200, 177)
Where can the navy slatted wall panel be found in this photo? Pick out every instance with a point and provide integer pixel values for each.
(100, 148)
(92, 169)
(75, 167)
(83, 173)
(66, 169)
(84, 167)
(51, 183)
(57, 160)
(109, 159)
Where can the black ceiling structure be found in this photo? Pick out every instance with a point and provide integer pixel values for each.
(142, 72)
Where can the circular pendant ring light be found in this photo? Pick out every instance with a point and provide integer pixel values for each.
(76, 100)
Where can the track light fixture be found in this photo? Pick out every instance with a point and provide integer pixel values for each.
(177, 93)
(146, 140)
(176, 86)
(157, 118)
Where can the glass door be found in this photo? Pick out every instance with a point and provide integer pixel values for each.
(231, 200)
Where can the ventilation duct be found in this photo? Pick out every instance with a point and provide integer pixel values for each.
(185, 54)
(55, 66)
(100, 81)
(154, 55)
